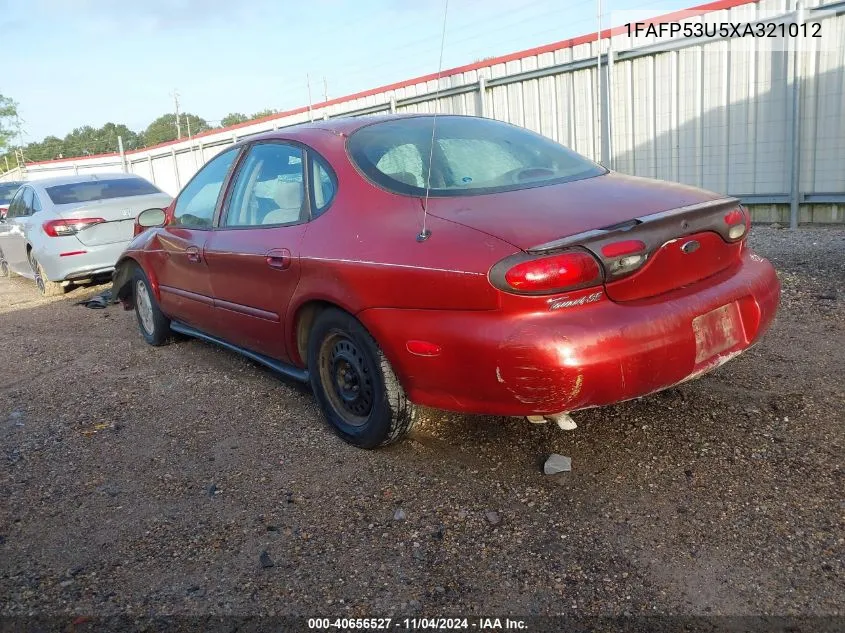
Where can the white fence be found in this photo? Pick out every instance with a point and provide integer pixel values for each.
(729, 114)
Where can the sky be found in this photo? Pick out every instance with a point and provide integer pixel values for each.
(70, 63)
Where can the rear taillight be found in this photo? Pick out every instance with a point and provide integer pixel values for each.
(546, 275)
(625, 247)
(61, 228)
(623, 256)
(738, 223)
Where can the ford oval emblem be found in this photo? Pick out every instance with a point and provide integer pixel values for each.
(690, 247)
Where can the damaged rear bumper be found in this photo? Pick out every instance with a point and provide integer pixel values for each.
(588, 354)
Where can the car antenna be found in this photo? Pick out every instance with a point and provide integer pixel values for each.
(424, 234)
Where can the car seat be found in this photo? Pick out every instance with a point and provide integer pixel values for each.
(288, 196)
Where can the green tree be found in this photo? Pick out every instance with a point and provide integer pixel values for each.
(233, 118)
(8, 121)
(263, 113)
(48, 149)
(83, 141)
(163, 129)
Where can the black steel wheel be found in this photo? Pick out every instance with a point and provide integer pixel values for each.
(347, 371)
(354, 383)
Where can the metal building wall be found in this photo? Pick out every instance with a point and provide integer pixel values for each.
(716, 114)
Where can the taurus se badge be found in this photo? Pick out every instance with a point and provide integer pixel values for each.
(690, 247)
(557, 304)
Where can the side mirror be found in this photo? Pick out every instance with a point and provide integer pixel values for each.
(149, 218)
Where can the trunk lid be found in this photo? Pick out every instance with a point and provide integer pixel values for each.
(528, 217)
(118, 214)
(650, 236)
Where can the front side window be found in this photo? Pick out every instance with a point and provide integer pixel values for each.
(91, 190)
(269, 189)
(17, 207)
(197, 201)
(470, 156)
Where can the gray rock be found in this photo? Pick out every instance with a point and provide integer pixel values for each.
(265, 560)
(493, 517)
(399, 515)
(557, 464)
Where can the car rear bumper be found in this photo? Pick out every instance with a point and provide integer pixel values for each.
(599, 353)
(96, 260)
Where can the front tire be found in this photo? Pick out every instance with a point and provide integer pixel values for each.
(355, 384)
(154, 326)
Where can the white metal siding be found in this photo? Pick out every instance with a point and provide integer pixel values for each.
(716, 115)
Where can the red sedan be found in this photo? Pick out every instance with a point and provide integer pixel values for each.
(524, 280)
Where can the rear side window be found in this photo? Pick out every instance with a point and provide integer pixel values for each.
(91, 190)
(469, 156)
(36, 203)
(324, 185)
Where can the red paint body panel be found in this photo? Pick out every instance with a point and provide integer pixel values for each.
(530, 360)
(500, 353)
(530, 217)
(251, 296)
(670, 267)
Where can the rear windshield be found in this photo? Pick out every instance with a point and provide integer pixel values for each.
(91, 190)
(470, 156)
(7, 191)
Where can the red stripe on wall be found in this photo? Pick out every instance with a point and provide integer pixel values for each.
(719, 5)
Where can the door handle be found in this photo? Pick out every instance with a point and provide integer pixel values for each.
(193, 254)
(278, 258)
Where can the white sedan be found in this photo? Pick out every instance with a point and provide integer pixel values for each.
(72, 228)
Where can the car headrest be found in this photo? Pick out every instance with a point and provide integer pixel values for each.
(288, 195)
(405, 177)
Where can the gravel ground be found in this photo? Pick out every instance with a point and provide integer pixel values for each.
(187, 480)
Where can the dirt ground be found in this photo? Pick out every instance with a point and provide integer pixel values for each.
(150, 480)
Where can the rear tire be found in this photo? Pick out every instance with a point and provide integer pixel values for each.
(355, 384)
(154, 326)
(46, 287)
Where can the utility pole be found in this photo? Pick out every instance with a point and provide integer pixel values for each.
(325, 90)
(122, 153)
(598, 101)
(308, 84)
(190, 144)
(178, 124)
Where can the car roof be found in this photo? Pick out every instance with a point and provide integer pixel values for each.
(76, 178)
(342, 126)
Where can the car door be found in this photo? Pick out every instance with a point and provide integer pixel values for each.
(13, 232)
(180, 265)
(253, 255)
